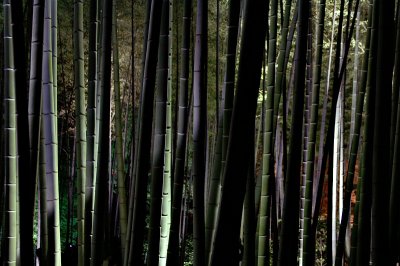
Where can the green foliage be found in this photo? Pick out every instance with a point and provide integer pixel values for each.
(188, 251)
(320, 247)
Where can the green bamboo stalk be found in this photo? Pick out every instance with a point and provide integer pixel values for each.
(118, 131)
(355, 78)
(261, 133)
(80, 115)
(307, 252)
(54, 48)
(306, 136)
(44, 229)
(281, 62)
(10, 137)
(27, 182)
(50, 140)
(264, 232)
(166, 193)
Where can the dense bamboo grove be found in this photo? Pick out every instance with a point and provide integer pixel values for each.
(185, 132)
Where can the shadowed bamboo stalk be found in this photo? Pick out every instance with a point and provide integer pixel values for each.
(380, 249)
(394, 234)
(355, 139)
(35, 91)
(102, 174)
(44, 229)
(26, 181)
(91, 133)
(339, 72)
(288, 243)
(199, 131)
(224, 124)
(351, 168)
(249, 216)
(118, 131)
(35, 95)
(158, 159)
(181, 139)
(237, 161)
(142, 155)
(364, 215)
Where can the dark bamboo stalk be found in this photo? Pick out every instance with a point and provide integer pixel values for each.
(234, 178)
(288, 244)
(181, 138)
(142, 155)
(102, 175)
